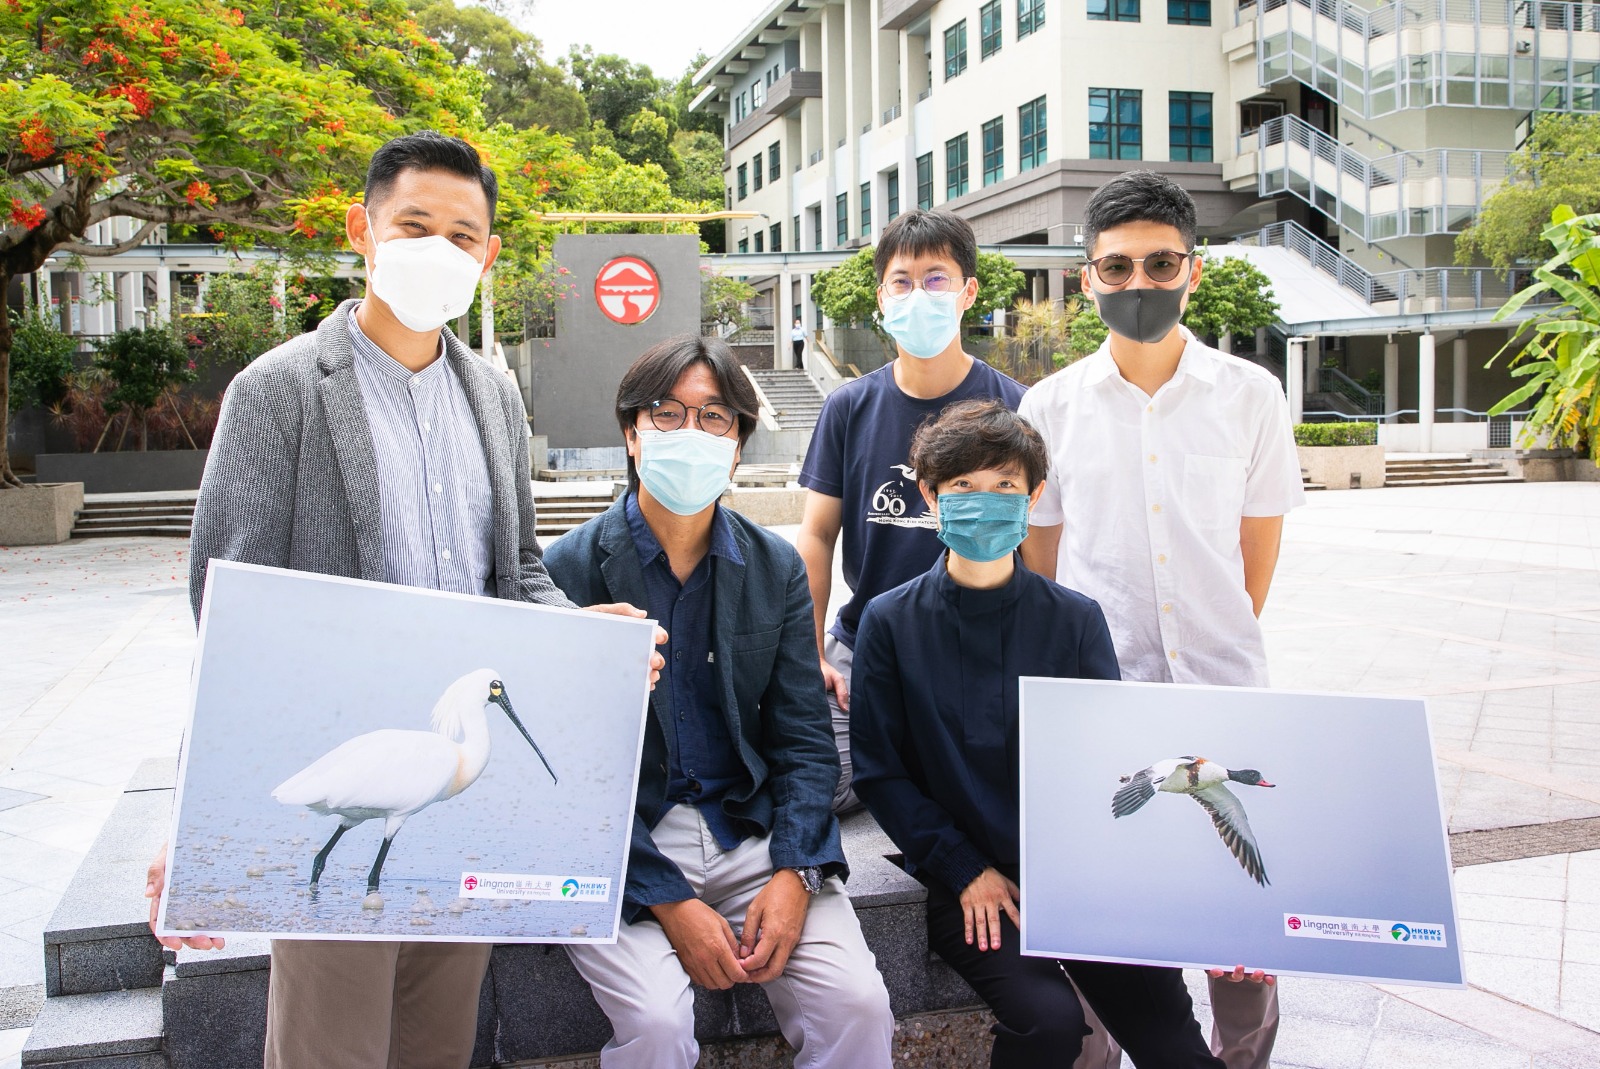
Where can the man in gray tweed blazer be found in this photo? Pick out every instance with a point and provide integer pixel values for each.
(379, 447)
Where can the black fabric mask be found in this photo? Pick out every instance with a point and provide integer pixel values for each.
(1141, 315)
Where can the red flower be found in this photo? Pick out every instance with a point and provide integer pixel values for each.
(25, 215)
(200, 193)
(37, 140)
(135, 93)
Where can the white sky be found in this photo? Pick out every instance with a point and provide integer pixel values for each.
(663, 34)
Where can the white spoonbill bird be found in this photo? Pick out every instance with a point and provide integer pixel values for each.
(1207, 783)
(391, 774)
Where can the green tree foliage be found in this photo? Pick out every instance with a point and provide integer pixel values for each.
(722, 296)
(521, 88)
(1558, 164)
(41, 359)
(1558, 351)
(614, 88)
(1317, 434)
(999, 282)
(144, 366)
(683, 94)
(1234, 297)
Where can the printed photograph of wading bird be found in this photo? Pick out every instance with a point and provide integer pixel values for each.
(393, 774)
(1207, 783)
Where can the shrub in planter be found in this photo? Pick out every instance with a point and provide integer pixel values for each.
(1313, 434)
(143, 368)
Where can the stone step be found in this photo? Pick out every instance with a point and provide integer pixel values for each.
(104, 1030)
(87, 520)
(146, 531)
(1452, 482)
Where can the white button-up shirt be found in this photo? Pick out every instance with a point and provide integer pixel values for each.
(1150, 492)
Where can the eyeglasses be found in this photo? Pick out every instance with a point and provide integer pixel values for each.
(1163, 266)
(715, 419)
(937, 283)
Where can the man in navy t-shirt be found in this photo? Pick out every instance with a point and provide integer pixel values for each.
(857, 471)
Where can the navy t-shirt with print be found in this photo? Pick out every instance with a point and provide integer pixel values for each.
(859, 455)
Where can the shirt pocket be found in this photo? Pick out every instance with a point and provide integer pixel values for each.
(1213, 495)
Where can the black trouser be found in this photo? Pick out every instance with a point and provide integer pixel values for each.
(1038, 1019)
(799, 348)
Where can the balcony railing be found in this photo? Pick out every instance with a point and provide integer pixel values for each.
(891, 115)
(783, 96)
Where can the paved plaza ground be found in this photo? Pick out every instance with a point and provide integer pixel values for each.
(1483, 599)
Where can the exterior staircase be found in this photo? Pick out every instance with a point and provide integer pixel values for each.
(1442, 469)
(795, 400)
(162, 515)
(557, 513)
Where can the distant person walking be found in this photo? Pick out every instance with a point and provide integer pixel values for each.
(797, 338)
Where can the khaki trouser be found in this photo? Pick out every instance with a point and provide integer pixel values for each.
(842, 658)
(335, 1004)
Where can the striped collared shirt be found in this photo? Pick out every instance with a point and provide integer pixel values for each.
(433, 482)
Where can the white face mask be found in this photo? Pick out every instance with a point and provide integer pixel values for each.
(426, 282)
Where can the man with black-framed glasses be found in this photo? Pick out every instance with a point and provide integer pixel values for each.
(857, 471)
(735, 869)
(1171, 468)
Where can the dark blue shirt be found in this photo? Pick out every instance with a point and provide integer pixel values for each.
(859, 454)
(702, 764)
(933, 711)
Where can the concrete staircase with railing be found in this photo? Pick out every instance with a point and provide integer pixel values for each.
(161, 515)
(793, 397)
(1442, 469)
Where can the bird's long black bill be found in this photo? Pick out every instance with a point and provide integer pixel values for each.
(505, 704)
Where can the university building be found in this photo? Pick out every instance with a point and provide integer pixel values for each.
(1340, 146)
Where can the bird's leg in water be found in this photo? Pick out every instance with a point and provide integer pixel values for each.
(322, 855)
(377, 866)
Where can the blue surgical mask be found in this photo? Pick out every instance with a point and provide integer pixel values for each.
(686, 469)
(923, 324)
(983, 526)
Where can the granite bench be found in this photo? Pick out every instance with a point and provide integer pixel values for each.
(117, 1000)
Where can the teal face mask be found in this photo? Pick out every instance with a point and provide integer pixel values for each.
(686, 469)
(983, 526)
(923, 325)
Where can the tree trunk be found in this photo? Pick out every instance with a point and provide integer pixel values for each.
(7, 476)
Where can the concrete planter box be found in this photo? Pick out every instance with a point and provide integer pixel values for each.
(1343, 467)
(127, 472)
(39, 515)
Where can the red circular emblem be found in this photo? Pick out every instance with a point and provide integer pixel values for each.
(627, 290)
(1294, 923)
(471, 883)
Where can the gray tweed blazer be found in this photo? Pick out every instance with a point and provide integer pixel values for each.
(291, 480)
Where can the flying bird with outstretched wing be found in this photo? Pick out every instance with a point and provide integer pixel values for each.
(1207, 783)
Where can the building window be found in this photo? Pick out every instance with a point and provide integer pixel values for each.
(1030, 17)
(989, 29)
(760, 238)
(1114, 10)
(1189, 120)
(755, 171)
(774, 163)
(744, 182)
(1116, 124)
(755, 96)
(1252, 113)
(994, 150)
(1189, 12)
(741, 107)
(744, 244)
(894, 193)
(841, 213)
(816, 227)
(794, 228)
(955, 167)
(866, 209)
(925, 181)
(777, 237)
(955, 50)
(1031, 135)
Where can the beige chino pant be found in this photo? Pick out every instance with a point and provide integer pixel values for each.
(335, 1004)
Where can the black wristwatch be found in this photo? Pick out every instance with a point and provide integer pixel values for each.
(810, 878)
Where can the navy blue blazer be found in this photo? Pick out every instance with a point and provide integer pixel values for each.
(765, 646)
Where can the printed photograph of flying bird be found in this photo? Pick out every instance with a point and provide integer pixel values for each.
(392, 774)
(1207, 783)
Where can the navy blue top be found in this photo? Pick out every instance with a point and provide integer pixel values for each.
(933, 711)
(858, 454)
(701, 763)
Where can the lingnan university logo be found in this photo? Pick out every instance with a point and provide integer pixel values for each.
(627, 290)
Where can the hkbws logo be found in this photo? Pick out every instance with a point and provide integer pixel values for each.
(1417, 933)
(627, 290)
(569, 889)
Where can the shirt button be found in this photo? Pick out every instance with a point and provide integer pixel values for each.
(437, 487)
(446, 554)
(1166, 607)
(1161, 558)
(678, 655)
(1152, 458)
(1149, 408)
(427, 426)
(412, 383)
(1155, 508)
(1172, 654)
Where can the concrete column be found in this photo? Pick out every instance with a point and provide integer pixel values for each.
(1458, 379)
(1425, 402)
(782, 322)
(164, 295)
(1295, 379)
(486, 290)
(463, 327)
(1391, 378)
(1225, 342)
(1313, 364)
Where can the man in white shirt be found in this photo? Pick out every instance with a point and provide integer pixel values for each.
(1171, 468)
